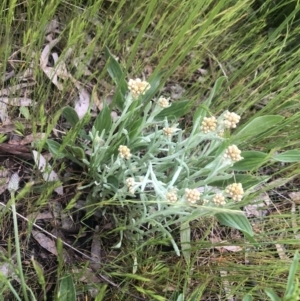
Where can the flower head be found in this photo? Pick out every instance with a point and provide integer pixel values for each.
(209, 124)
(192, 195)
(172, 196)
(163, 102)
(168, 131)
(235, 191)
(130, 183)
(219, 199)
(124, 152)
(138, 87)
(233, 153)
(231, 119)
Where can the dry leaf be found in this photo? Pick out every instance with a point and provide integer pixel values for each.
(52, 26)
(3, 112)
(258, 208)
(59, 70)
(96, 101)
(7, 269)
(44, 58)
(7, 127)
(4, 173)
(32, 137)
(18, 102)
(169, 288)
(60, 67)
(48, 174)
(66, 222)
(81, 64)
(226, 286)
(233, 248)
(18, 150)
(177, 91)
(45, 241)
(51, 73)
(96, 250)
(87, 275)
(295, 197)
(282, 252)
(83, 103)
(14, 89)
(4, 179)
(8, 75)
(56, 208)
(216, 239)
(40, 215)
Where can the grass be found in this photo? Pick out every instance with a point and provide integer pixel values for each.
(189, 44)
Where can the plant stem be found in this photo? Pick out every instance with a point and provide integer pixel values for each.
(18, 251)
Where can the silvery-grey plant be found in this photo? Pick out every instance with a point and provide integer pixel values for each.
(166, 176)
(163, 170)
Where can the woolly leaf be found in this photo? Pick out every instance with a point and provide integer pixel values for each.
(103, 120)
(289, 156)
(256, 127)
(117, 75)
(176, 110)
(252, 160)
(237, 221)
(70, 114)
(67, 289)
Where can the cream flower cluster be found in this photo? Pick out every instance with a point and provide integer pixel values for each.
(231, 119)
(192, 195)
(124, 152)
(130, 183)
(168, 131)
(138, 87)
(172, 196)
(219, 199)
(233, 153)
(209, 124)
(235, 191)
(163, 102)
